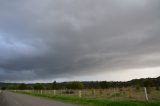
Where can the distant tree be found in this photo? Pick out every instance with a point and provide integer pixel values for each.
(12, 87)
(55, 85)
(104, 84)
(30, 87)
(147, 83)
(38, 86)
(22, 86)
(75, 85)
(3, 88)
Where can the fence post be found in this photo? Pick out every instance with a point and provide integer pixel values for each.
(93, 92)
(61, 92)
(85, 92)
(130, 93)
(80, 93)
(54, 92)
(146, 95)
(114, 90)
(41, 91)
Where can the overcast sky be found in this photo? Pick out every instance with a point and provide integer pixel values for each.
(46, 40)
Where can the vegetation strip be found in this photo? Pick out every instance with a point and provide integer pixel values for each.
(94, 102)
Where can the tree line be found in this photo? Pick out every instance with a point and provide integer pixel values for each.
(147, 82)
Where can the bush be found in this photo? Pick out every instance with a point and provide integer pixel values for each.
(22, 86)
(104, 84)
(75, 85)
(69, 92)
(55, 85)
(157, 88)
(3, 88)
(38, 86)
(137, 87)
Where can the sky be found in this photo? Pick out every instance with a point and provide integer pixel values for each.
(66, 40)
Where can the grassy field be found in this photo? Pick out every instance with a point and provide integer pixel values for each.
(95, 101)
(129, 93)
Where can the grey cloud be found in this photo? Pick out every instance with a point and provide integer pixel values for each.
(55, 39)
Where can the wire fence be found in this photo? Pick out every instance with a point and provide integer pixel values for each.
(140, 94)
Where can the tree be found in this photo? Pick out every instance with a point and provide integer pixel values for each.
(103, 84)
(38, 86)
(55, 85)
(12, 87)
(22, 86)
(75, 85)
(3, 88)
(147, 83)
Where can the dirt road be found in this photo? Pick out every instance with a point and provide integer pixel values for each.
(14, 99)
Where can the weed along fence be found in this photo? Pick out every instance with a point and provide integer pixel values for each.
(141, 94)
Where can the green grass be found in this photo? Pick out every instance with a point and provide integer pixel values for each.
(96, 102)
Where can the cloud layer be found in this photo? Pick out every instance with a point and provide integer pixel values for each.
(63, 38)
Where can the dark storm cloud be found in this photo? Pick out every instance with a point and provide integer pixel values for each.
(60, 38)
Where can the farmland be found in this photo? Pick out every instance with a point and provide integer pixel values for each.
(138, 92)
(99, 97)
(110, 94)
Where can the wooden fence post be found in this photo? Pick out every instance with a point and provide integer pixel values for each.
(146, 95)
(114, 90)
(54, 92)
(93, 92)
(80, 93)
